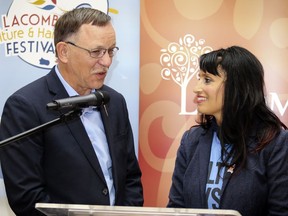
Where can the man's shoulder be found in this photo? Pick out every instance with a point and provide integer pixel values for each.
(36, 92)
(35, 85)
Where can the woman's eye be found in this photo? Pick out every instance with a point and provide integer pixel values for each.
(207, 80)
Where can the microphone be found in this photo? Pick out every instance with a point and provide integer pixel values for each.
(97, 98)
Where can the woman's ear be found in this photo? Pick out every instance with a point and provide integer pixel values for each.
(62, 51)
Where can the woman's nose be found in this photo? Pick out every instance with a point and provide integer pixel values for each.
(197, 88)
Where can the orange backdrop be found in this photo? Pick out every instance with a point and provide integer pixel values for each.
(173, 35)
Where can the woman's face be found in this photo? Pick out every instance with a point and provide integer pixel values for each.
(210, 94)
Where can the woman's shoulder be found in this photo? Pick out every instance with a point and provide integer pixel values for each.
(192, 136)
(195, 131)
(193, 139)
(278, 146)
(284, 133)
(282, 138)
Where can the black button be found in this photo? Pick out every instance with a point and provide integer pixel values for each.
(105, 191)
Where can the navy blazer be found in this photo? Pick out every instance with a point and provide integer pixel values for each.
(58, 164)
(260, 189)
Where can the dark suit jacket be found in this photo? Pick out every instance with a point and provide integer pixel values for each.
(259, 190)
(59, 164)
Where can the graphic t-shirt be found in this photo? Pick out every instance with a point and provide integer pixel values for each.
(215, 175)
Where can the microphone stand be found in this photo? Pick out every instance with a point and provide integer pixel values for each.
(63, 118)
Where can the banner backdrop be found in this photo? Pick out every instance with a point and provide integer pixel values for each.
(173, 35)
(27, 50)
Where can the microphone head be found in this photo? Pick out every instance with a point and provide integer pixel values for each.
(97, 98)
(105, 97)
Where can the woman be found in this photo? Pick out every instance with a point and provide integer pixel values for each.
(237, 157)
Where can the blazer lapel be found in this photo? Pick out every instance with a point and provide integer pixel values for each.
(79, 133)
(75, 126)
(204, 151)
(104, 110)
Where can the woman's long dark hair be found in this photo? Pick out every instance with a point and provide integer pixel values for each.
(244, 110)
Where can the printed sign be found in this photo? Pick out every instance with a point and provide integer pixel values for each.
(27, 28)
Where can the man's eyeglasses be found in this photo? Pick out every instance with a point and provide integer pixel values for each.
(97, 53)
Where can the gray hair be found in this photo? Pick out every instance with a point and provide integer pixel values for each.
(70, 22)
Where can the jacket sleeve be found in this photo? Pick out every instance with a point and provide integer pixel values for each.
(20, 161)
(133, 186)
(186, 151)
(176, 191)
(127, 173)
(277, 175)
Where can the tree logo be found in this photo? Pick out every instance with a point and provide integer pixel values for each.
(180, 63)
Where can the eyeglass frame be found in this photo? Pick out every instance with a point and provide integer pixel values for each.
(101, 51)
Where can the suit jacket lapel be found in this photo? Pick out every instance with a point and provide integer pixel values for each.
(204, 151)
(104, 110)
(79, 133)
(76, 127)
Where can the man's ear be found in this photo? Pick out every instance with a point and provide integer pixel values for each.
(62, 51)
